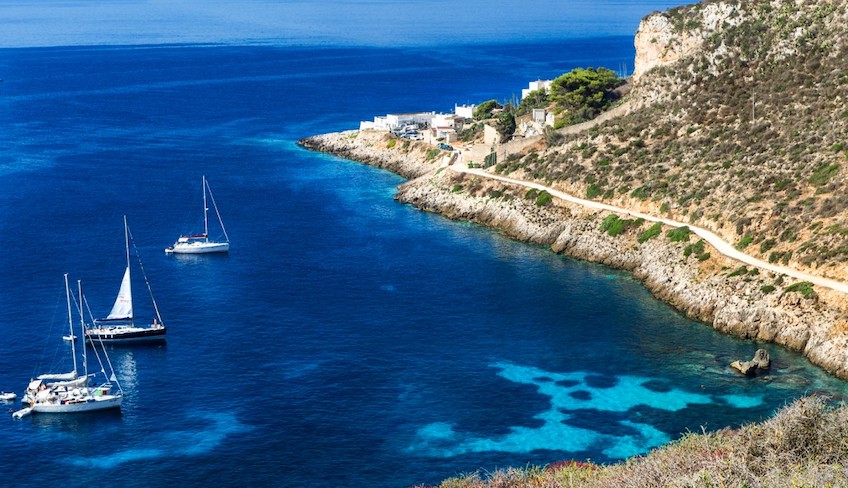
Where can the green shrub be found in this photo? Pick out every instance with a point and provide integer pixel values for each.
(432, 153)
(649, 234)
(484, 110)
(767, 289)
(680, 234)
(641, 193)
(697, 249)
(823, 174)
(543, 198)
(744, 242)
(456, 188)
(804, 288)
(767, 244)
(593, 190)
(531, 194)
(391, 144)
(742, 270)
(613, 225)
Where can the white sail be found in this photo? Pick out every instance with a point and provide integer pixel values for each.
(122, 310)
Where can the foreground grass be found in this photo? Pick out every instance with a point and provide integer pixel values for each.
(803, 445)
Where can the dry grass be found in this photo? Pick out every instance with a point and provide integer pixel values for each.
(803, 445)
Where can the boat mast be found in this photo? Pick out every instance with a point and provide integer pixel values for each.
(127, 241)
(82, 330)
(71, 324)
(205, 212)
(127, 244)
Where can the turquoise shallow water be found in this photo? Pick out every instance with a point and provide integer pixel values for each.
(347, 340)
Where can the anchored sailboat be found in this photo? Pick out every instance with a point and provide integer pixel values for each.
(200, 243)
(119, 325)
(71, 392)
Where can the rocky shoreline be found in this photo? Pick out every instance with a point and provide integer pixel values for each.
(742, 302)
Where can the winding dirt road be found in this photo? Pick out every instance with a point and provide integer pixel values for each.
(713, 239)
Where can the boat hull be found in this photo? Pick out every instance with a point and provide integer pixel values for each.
(102, 402)
(198, 248)
(125, 334)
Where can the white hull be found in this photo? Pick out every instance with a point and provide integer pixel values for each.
(198, 248)
(7, 397)
(101, 402)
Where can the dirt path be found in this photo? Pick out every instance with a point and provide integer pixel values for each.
(713, 239)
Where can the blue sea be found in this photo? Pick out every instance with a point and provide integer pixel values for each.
(346, 340)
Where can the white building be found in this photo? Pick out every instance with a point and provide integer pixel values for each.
(464, 111)
(544, 85)
(393, 122)
(448, 120)
(399, 121)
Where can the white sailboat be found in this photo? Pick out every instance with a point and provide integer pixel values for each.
(119, 325)
(71, 392)
(200, 243)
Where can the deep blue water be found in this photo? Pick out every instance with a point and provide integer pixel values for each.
(346, 340)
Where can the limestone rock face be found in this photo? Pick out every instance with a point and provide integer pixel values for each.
(376, 148)
(665, 37)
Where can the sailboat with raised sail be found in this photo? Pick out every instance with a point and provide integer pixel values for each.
(73, 392)
(119, 325)
(200, 243)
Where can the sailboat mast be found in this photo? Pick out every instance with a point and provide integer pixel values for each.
(82, 330)
(71, 324)
(127, 240)
(127, 244)
(205, 212)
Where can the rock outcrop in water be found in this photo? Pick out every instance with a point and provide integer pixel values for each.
(760, 360)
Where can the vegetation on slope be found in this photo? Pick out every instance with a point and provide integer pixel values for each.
(747, 136)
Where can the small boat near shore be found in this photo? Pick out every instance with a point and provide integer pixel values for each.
(7, 396)
(200, 243)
